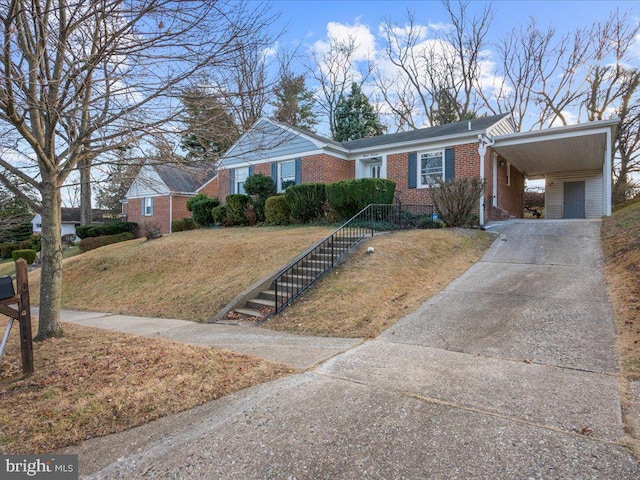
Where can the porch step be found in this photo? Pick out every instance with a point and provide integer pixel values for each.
(298, 277)
(260, 302)
(248, 311)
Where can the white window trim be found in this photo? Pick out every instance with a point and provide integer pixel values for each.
(236, 179)
(146, 200)
(508, 174)
(280, 189)
(419, 166)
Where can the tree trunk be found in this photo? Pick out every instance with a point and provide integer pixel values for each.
(86, 214)
(51, 273)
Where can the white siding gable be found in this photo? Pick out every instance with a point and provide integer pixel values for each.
(147, 184)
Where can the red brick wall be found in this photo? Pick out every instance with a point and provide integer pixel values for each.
(321, 168)
(467, 164)
(325, 168)
(211, 189)
(160, 212)
(511, 198)
(263, 169)
(223, 185)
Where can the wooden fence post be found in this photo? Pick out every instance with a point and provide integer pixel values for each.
(24, 316)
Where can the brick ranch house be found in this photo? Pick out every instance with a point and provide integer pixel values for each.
(575, 162)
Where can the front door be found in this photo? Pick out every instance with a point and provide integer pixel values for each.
(573, 200)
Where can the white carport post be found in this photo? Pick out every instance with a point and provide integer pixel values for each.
(606, 175)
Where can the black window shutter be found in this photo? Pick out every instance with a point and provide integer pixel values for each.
(250, 170)
(232, 181)
(449, 164)
(274, 171)
(298, 171)
(413, 170)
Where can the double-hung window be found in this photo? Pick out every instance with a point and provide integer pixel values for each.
(431, 167)
(241, 176)
(147, 206)
(287, 175)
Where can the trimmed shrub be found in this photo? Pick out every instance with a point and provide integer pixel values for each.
(190, 223)
(82, 231)
(28, 254)
(348, 197)
(306, 201)
(91, 243)
(7, 248)
(456, 201)
(219, 215)
(177, 226)
(200, 207)
(114, 228)
(277, 211)
(237, 209)
(259, 187)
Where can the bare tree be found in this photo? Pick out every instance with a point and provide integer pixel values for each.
(335, 69)
(434, 76)
(79, 79)
(519, 54)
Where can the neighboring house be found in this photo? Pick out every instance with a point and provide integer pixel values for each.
(575, 162)
(70, 220)
(159, 193)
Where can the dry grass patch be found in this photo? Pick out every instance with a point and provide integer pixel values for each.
(187, 275)
(621, 247)
(368, 293)
(92, 382)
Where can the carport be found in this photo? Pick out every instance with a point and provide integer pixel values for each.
(574, 161)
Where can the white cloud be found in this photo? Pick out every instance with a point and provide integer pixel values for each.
(365, 41)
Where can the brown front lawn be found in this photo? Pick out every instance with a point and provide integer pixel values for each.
(93, 382)
(370, 292)
(187, 275)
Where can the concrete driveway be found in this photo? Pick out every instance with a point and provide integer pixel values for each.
(509, 373)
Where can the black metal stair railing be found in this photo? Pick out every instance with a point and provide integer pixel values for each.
(300, 274)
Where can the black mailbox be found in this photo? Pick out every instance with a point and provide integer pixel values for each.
(6, 288)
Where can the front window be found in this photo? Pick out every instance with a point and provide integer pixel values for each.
(147, 207)
(241, 176)
(287, 175)
(431, 167)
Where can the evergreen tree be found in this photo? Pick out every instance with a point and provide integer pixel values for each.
(210, 127)
(355, 117)
(294, 103)
(447, 109)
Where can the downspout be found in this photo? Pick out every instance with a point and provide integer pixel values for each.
(483, 143)
(170, 211)
(495, 179)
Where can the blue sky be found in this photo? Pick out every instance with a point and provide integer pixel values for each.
(307, 19)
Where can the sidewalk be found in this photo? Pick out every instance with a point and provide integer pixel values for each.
(293, 350)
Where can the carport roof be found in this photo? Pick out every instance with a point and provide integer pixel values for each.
(568, 148)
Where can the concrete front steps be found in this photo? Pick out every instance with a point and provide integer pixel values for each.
(259, 307)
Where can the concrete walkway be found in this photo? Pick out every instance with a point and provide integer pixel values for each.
(508, 374)
(293, 350)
